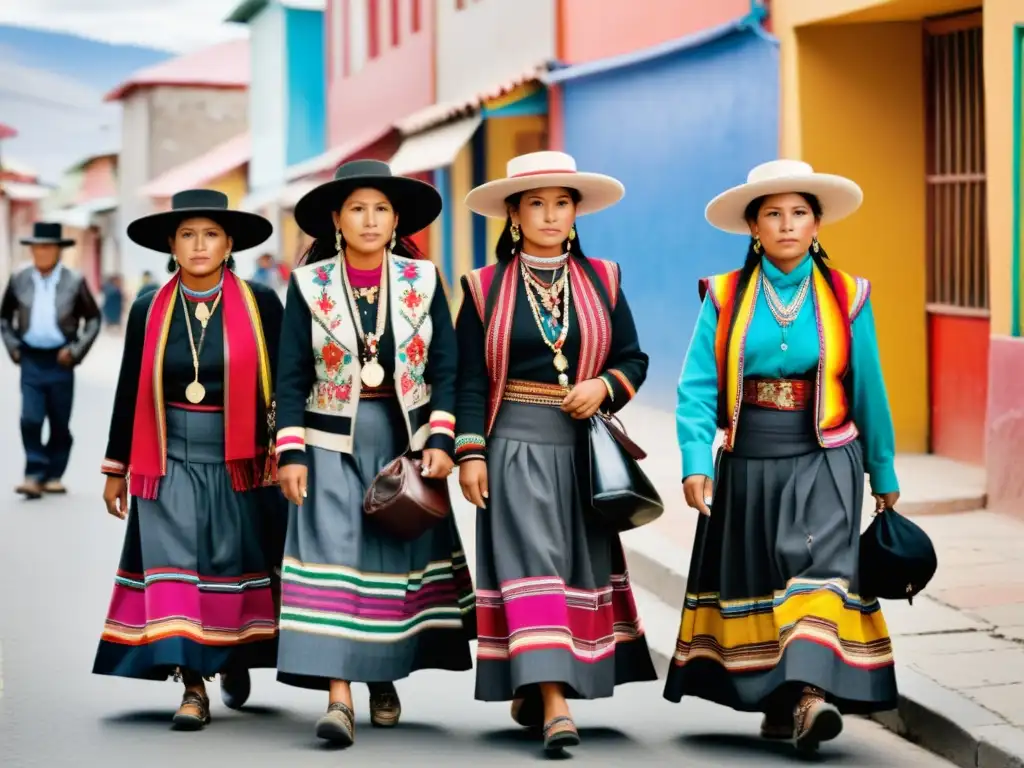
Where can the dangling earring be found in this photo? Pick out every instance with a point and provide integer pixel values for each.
(815, 245)
(572, 235)
(394, 239)
(757, 244)
(514, 231)
(337, 242)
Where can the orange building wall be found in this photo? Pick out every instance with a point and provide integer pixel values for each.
(595, 29)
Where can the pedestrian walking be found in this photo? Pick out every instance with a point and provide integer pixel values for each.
(192, 429)
(546, 339)
(368, 370)
(784, 358)
(49, 321)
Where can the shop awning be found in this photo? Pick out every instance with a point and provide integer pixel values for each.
(435, 148)
(81, 216)
(282, 195)
(24, 192)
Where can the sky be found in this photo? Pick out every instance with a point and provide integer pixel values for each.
(173, 25)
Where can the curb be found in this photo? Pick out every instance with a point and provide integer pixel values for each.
(942, 721)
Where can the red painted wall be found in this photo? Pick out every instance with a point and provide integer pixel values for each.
(99, 180)
(594, 29)
(397, 83)
(958, 375)
(1005, 429)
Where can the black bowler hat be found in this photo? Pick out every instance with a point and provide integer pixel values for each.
(416, 203)
(47, 233)
(246, 230)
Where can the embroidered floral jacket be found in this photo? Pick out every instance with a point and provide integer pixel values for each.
(319, 385)
(507, 345)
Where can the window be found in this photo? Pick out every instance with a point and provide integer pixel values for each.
(460, 4)
(373, 27)
(396, 23)
(416, 21)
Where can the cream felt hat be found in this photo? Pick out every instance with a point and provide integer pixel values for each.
(839, 196)
(538, 170)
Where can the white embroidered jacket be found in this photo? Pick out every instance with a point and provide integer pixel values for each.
(333, 400)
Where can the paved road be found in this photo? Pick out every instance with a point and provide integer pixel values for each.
(57, 557)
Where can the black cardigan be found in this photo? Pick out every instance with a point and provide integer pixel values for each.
(531, 360)
(178, 372)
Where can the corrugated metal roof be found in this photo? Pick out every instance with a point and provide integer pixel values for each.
(220, 66)
(215, 163)
(440, 113)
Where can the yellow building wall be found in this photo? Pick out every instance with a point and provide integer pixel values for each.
(461, 171)
(234, 184)
(500, 142)
(999, 19)
(853, 104)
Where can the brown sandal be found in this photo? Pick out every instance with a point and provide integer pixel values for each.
(194, 712)
(815, 721)
(338, 726)
(559, 733)
(385, 706)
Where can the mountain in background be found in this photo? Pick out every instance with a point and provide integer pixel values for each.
(51, 91)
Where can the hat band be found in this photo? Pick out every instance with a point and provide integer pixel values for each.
(541, 173)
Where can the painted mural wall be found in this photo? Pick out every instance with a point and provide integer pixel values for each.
(697, 121)
(468, 59)
(595, 29)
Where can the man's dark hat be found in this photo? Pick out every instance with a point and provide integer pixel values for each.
(416, 203)
(247, 230)
(47, 233)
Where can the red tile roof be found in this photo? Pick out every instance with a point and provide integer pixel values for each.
(6, 132)
(195, 173)
(225, 65)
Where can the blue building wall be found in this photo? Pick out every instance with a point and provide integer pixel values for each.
(307, 90)
(676, 130)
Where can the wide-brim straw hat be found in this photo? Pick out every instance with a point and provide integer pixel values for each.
(539, 170)
(416, 202)
(839, 196)
(155, 231)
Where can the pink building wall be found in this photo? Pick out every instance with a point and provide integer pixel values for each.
(596, 29)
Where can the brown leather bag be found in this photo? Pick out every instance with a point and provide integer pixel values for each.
(404, 504)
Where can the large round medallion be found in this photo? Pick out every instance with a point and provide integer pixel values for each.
(195, 392)
(561, 363)
(372, 374)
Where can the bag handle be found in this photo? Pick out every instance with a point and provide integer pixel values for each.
(618, 431)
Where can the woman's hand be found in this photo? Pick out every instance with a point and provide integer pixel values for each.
(697, 489)
(886, 500)
(292, 479)
(473, 479)
(437, 464)
(115, 496)
(585, 398)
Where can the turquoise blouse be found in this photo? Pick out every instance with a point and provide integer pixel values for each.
(697, 410)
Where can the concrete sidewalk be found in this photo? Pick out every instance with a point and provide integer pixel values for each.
(959, 647)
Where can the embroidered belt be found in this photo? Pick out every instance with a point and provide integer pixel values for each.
(778, 394)
(534, 393)
(384, 392)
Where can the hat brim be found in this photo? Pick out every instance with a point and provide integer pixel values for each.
(597, 192)
(60, 242)
(416, 203)
(155, 231)
(839, 198)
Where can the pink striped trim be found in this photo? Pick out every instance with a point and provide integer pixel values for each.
(109, 466)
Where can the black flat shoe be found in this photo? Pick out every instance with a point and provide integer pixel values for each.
(560, 733)
(235, 688)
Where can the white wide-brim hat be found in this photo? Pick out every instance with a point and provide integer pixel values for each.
(539, 170)
(839, 196)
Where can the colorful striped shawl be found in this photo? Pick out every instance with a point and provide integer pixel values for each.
(834, 314)
(246, 379)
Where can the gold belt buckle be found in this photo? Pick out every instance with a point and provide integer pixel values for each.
(778, 393)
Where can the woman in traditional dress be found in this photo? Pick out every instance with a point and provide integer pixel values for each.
(368, 370)
(190, 441)
(784, 359)
(546, 338)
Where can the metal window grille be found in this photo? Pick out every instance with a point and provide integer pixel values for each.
(957, 241)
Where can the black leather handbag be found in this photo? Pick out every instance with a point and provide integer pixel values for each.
(897, 559)
(610, 477)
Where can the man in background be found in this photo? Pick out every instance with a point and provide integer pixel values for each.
(49, 321)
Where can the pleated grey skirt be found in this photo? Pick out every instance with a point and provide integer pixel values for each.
(772, 600)
(554, 603)
(356, 604)
(193, 588)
